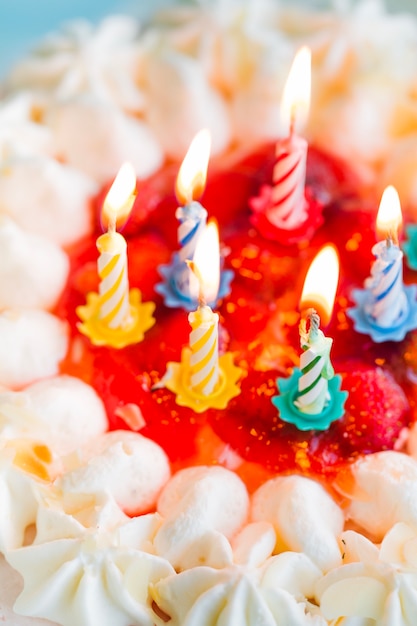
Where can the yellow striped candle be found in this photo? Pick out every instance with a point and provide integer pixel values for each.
(204, 359)
(114, 283)
(114, 309)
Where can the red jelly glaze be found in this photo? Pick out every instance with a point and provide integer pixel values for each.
(258, 320)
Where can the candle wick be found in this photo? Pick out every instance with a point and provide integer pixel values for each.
(201, 297)
(314, 323)
(392, 238)
(309, 327)
(111, 229)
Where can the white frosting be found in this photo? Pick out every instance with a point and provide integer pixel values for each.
(47, 198)
(385, 492)
(356, 547)
(32, 343)
(245, 49)
(369, 68)
(253, 544)
(85, 59)
(64, 411)
(306, 519)
(132, 468)
(19, 491)
(383, 588)
(192, 104)
(20, 135)
(63, 516)
(11, 585)
(202, 507)
(96, 138)
(98, 575)
(274, 595)
(33, 271)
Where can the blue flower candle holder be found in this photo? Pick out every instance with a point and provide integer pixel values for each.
(175, 289)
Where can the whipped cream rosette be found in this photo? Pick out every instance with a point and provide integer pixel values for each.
(27, 468)
(381, 585)
(20, 134)
(59, 198)
(85, 59)
(95, 137)
(95, 565)
(305, 518)
(270, 590)
(381, 478)
(32, 344)
(62, 410)
(129, 467)
(203, 508)
(34, 270)
(193, 103)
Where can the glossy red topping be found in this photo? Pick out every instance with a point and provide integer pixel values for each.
(259, 323)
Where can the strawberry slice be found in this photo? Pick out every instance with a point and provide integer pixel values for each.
(376, 412)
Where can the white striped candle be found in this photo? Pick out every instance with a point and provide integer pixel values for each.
(387, 305)
(192, 221)
(316, 369)
(190, 184)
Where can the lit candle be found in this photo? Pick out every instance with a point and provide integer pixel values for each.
(112, 262)
(285, 210)
(180, 286)
(387, 305)
(316, 368)
(386, 309)
(191, 181)
(320, 283)
(311, 398)
(203, 379)
(289, 207)
(116, 315)
(204, 360)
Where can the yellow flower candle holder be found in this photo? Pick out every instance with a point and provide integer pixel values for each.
(139, 320)
(177, 380)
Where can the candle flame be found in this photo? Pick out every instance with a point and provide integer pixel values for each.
(120, 198)
(320, 284)
(389, 216)
(295, 102)
(206, 263)
(191, 179)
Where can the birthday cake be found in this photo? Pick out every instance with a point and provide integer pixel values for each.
(178, 448)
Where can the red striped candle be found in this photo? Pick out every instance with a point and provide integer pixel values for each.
(288, 204)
